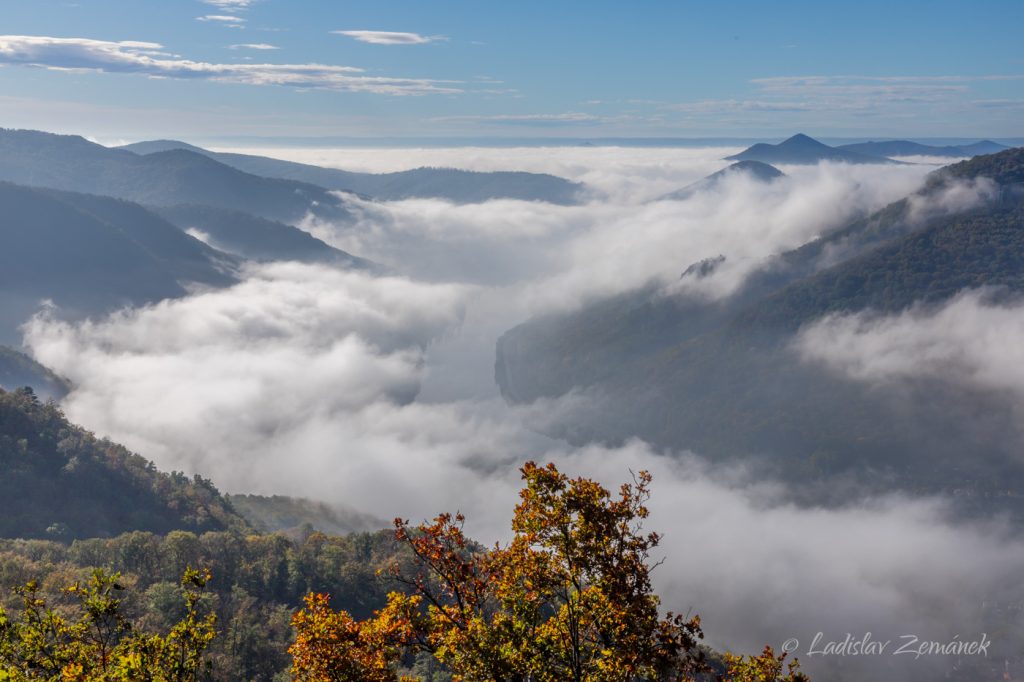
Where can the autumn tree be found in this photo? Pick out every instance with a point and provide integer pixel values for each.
(332, 647)
(569, 598)
(764, 668)
(94, 642)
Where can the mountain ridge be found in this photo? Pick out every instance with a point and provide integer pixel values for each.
(258, 239)
(71, 163)
(802, 149)
(460, 186)
(90, 255)
(886, 148)
(756, 170)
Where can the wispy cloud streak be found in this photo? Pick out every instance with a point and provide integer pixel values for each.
(148, 58)
(390, 37)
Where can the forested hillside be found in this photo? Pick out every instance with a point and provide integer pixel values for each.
(61, 482)
(258, 582)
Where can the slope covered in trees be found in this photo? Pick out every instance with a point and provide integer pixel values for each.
(61, 482)
(755, 170)
(569, 598)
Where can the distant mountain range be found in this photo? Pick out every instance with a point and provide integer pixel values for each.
(75, 233)
(762, 172)
(801, 149)
(168, 178)
(255, 238)
(721, 378)
(906, 148)
(459, 186)
(90, 254)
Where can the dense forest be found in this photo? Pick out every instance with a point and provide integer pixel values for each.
(258, 581)
(75, 503)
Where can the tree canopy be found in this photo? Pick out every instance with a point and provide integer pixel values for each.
(568, 598)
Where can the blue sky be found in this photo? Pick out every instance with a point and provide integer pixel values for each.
(209, 69)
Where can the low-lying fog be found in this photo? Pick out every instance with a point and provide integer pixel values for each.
(378, 392)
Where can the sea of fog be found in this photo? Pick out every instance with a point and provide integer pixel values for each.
(377, 392)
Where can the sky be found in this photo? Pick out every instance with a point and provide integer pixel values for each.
(235, 69)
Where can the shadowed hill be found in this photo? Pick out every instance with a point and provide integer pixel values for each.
(762, 172)
(256, 238)
(460, 186)
(801, 150)
(90, 255)
(167, 178)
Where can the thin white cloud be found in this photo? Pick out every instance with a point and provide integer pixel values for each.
(229, 4)
(567, 118)
(390, 37)
(64, 54)
(254, 46)
(852, 97)
(999, 103)
(785, 81)
(857, 92)
(225, 18)
(715, 106)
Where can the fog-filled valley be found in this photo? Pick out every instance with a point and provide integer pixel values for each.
(819, 363)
